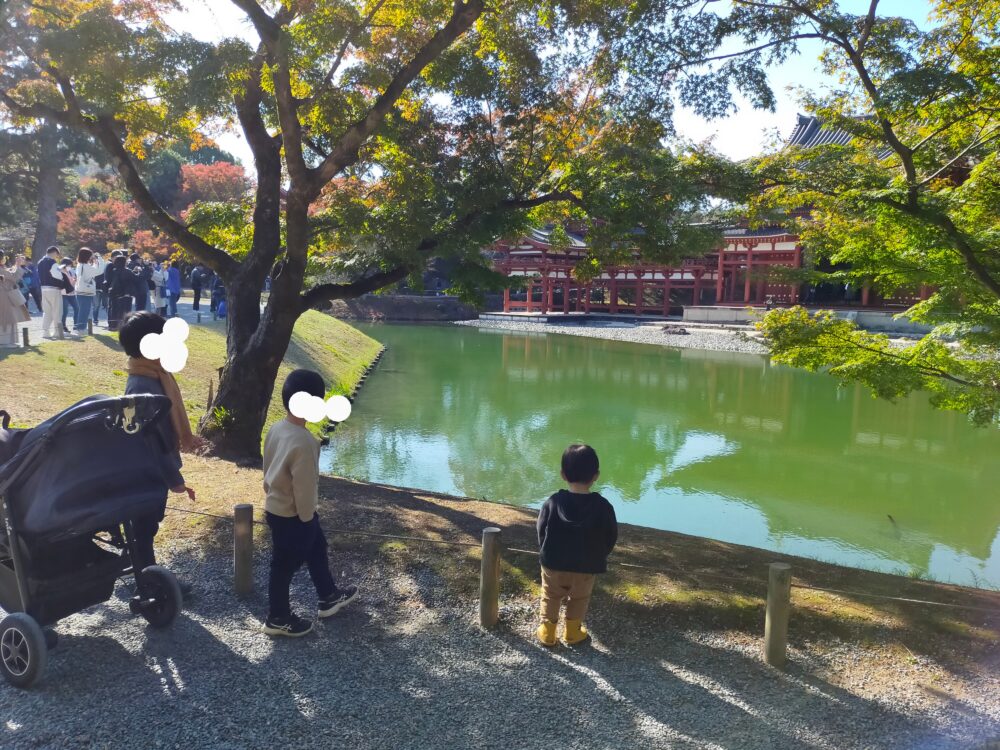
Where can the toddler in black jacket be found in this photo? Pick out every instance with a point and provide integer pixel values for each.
(577, 530)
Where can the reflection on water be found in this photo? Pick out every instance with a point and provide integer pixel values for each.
(707, 443)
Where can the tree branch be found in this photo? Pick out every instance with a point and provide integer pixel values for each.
(329, 292)
(270, 32)
(345, 153)
(339, 57)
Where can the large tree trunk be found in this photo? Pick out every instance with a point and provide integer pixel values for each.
(49, 193)
(256, 343)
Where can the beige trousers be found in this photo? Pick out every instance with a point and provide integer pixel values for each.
(575, 588)
(52, 304)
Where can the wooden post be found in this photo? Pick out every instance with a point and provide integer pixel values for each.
(639, 292)
(613, 302)
(506, 299)
(243, 549)
(779, 605)
(199, 317)
(746, 283)
(90, 326)
(24, 337)
(489, 578)
(696, 292)
(666, 290)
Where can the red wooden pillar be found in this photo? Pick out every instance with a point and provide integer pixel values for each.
(796, 287)
(666, 291)
(746, 283)
(720, 275)
(566, 296)
(613, 302)
(506, 299)
(531, 293)
(865, 295)
(549, 296)
(586, 298)
(638, 294)
(696, 298)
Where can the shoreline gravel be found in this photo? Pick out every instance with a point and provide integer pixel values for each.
(405, 667)
(709, 339)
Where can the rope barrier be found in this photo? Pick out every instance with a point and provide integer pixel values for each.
(668, 571)
(883, 597)
(347, 532)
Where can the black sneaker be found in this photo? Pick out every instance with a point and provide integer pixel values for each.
(292, 626)
(340, 598)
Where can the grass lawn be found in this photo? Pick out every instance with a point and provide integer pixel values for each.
(42, 380)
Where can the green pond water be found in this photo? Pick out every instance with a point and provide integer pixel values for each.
(714, 444)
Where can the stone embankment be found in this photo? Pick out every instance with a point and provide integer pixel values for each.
(695, 337)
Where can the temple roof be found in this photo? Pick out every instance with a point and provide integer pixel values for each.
(809, 132)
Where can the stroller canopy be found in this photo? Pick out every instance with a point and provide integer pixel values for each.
(93, 466)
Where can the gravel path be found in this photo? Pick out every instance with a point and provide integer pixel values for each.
(403, 668)
(713, 339)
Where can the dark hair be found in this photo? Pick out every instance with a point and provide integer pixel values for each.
(302, 380)
(135, 326)
(84, 255)
(579, 463)
(53, 249)
(134, 257)
(118, 262)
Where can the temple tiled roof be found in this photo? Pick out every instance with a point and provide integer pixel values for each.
(544, 236)
(772, 231)
(810, 132)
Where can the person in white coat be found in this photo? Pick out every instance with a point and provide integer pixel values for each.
(160, 292)
(86, 288)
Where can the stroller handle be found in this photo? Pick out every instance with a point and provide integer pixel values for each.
(148, 406)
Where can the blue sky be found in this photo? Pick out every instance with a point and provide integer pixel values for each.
(741, 135)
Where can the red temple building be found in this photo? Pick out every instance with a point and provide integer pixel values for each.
(735, 275)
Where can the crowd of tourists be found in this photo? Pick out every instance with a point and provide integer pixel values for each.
(88, 285)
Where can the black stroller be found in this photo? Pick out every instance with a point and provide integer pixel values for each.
(70, 490)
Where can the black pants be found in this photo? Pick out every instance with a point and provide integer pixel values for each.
(197, 298)
(118, 308)
(295, 542)
(144, 532)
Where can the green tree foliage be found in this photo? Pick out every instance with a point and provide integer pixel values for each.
(383, 135)
(911, 201)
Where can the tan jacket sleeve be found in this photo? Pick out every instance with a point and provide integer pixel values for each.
(305, 481)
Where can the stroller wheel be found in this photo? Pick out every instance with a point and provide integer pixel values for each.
(23, 650)
(160, 596)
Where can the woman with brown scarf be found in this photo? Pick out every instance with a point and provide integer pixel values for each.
(148, 376)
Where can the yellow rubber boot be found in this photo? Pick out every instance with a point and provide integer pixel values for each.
(547, 633)
(575, 632)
